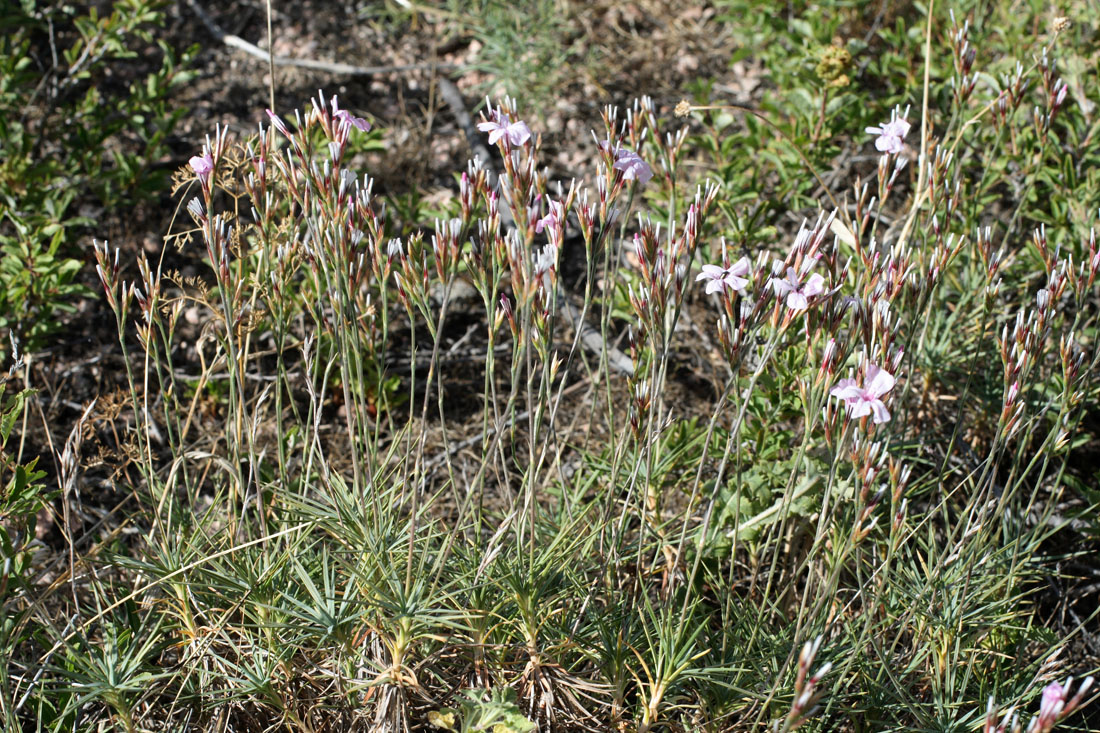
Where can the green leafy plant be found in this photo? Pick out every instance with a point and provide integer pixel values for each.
(73, 139)
(491, 710)
(23, 494)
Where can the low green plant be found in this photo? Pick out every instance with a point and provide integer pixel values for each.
(493, 710)
(843, 523)
(23, 495)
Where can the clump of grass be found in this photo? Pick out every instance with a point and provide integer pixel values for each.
(848, 531)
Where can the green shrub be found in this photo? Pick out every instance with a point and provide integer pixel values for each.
(83, 129)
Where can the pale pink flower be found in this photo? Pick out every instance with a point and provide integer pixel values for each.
(555, 216)
(1054, 700)
(632, 166)
(203, 165)
(798, 293)
(721, 278)
(501, 126)
(891, 135)
(866, 400)
(347, 118)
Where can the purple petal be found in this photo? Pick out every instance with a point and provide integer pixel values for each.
(202, 165)
(632, 166)
(348, 118)
(880, 412)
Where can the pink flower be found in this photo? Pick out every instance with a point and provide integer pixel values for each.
(866, 400)
(891, 136)
(203, 165)
(501, 126)
(1054, 700)
(347, 118)
(798, 293)
(720, 278)
(632, 165)
(555, 215)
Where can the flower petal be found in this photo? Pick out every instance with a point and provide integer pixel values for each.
(737, 283)
(796, 301)
(846, 389)
(814, 286)
(201, 164)
(878, 381)
(781, 287)
(518, 132)
(859, 408)
(740, 268)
